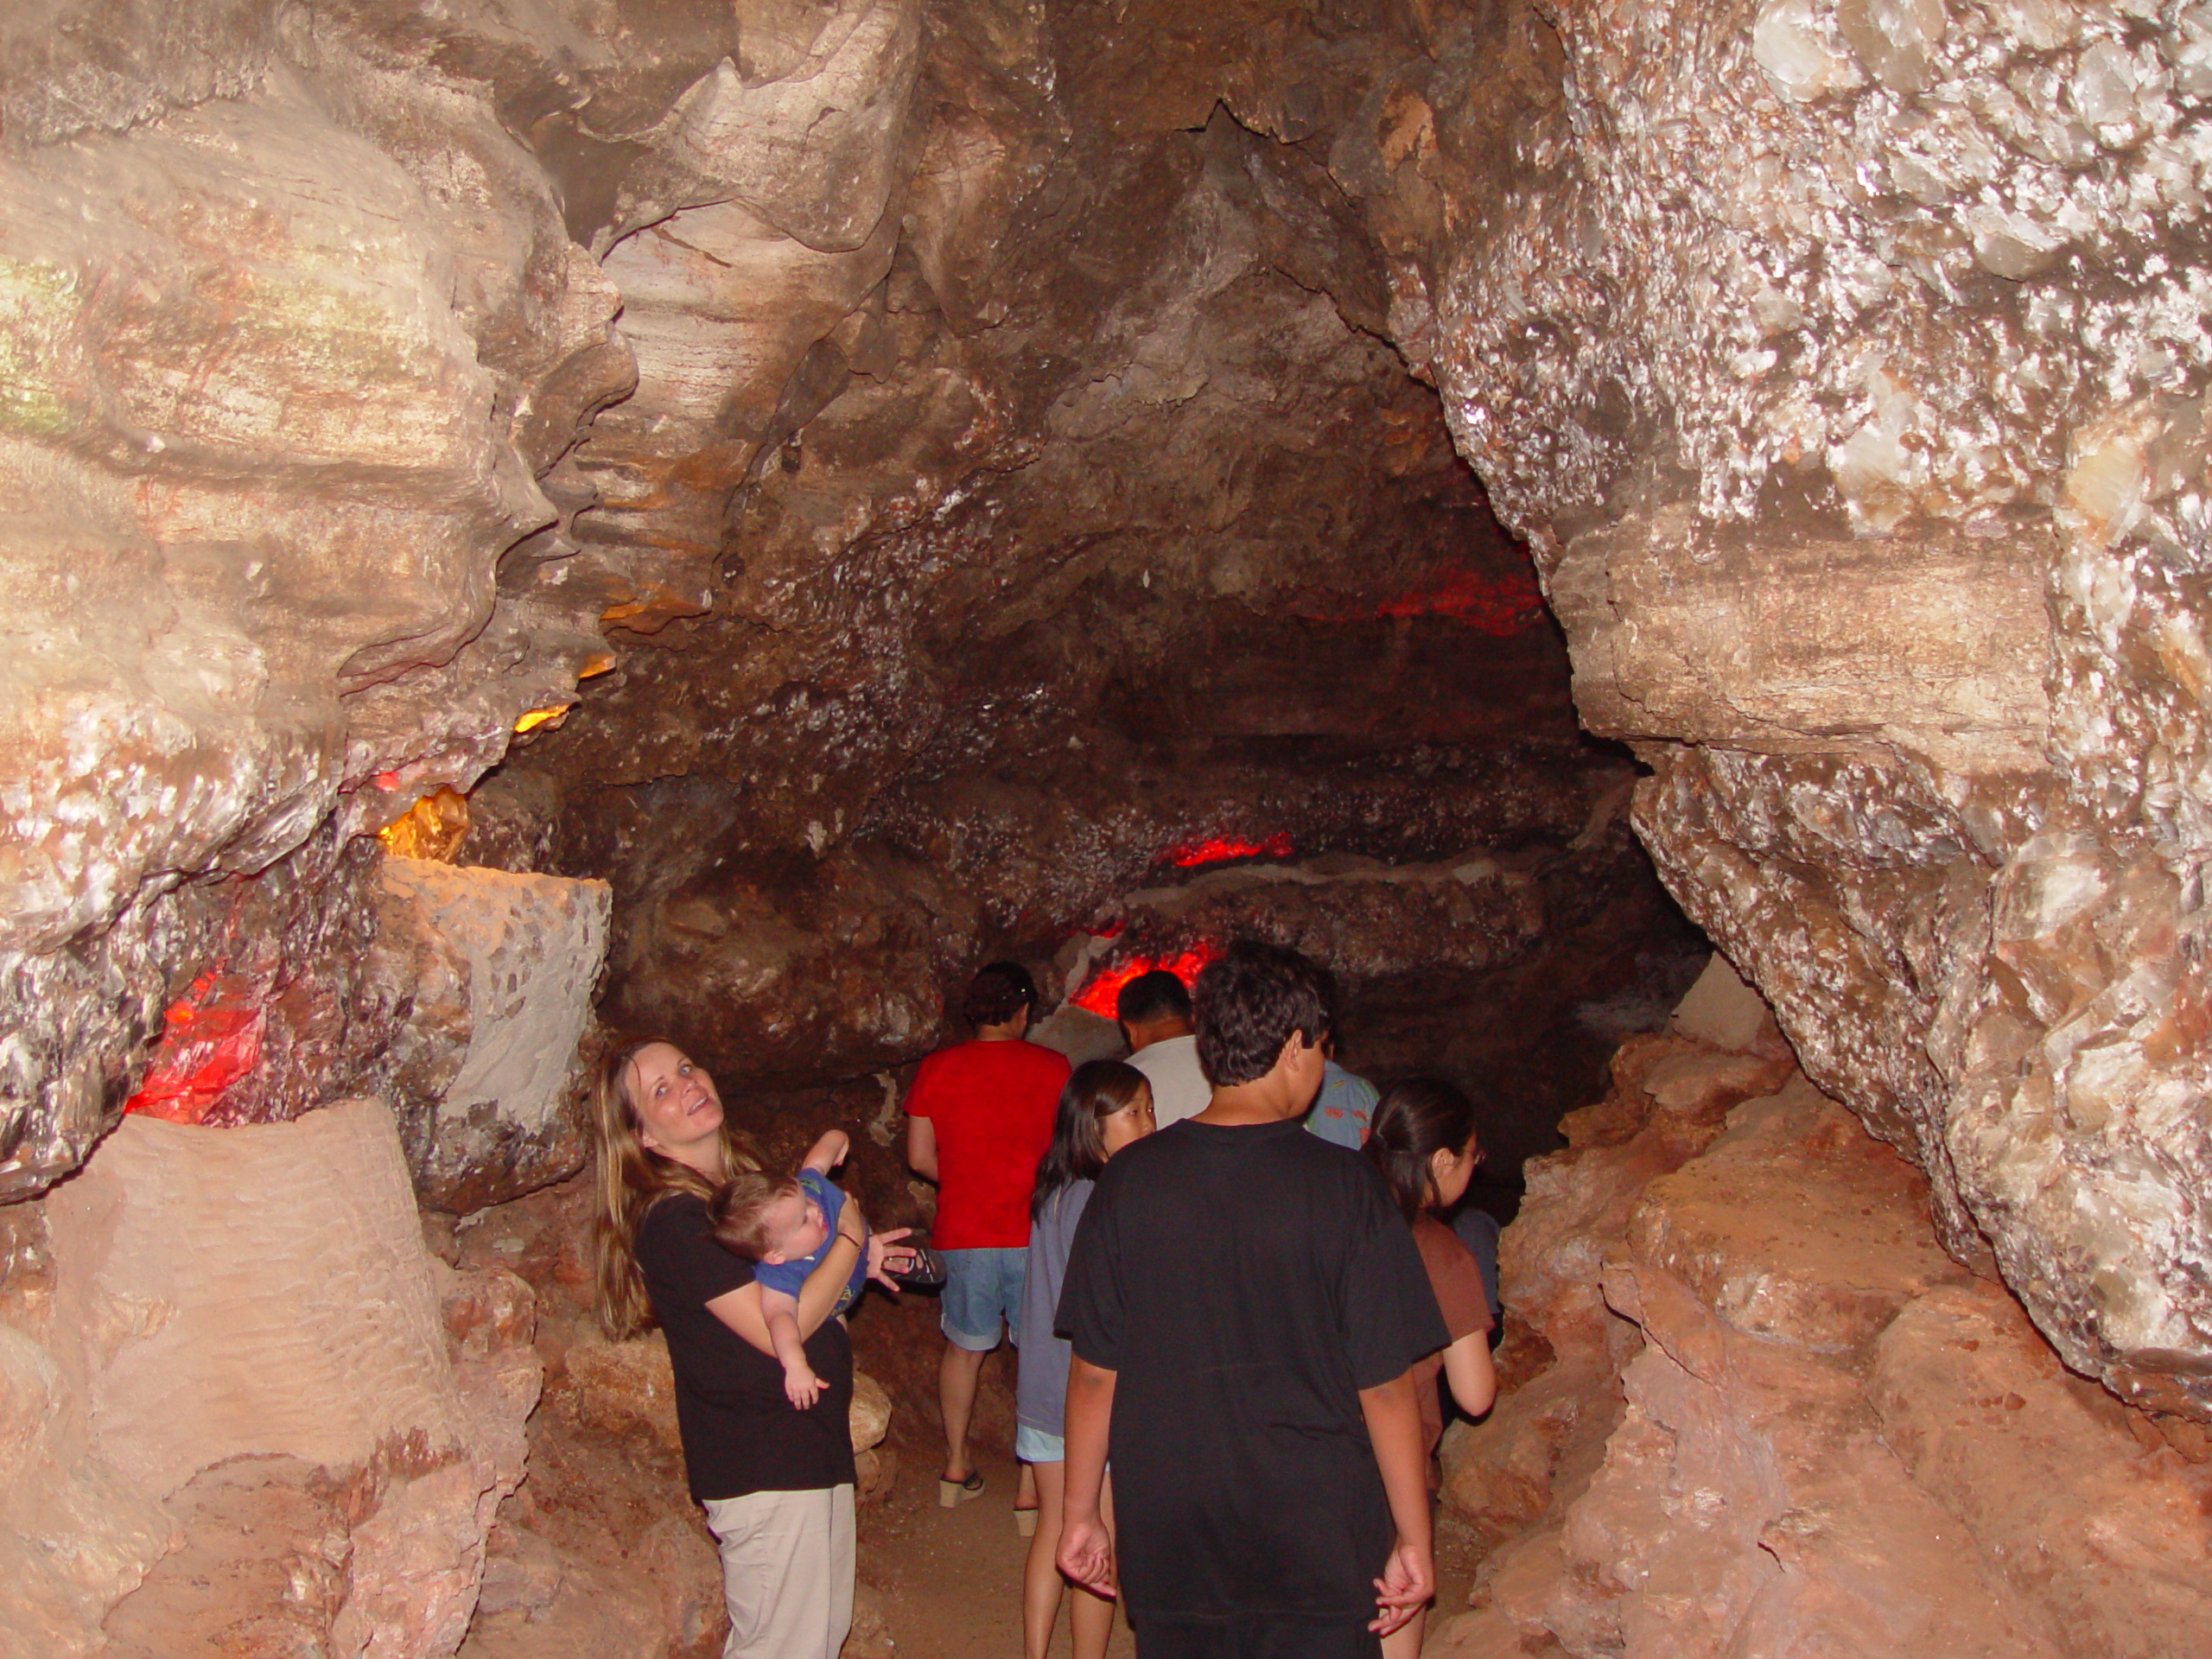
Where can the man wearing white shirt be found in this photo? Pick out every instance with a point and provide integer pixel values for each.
(1154, 1010)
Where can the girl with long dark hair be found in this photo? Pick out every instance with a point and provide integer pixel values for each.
(1105, 1105)
(1422, 1138)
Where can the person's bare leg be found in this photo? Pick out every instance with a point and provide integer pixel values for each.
(956, 1374)
(1040, 1574)
(1404, 1642)
(1090, 1619)
(1025, 1493)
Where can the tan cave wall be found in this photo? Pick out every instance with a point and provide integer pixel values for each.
(1846, 364)
(228, 1355)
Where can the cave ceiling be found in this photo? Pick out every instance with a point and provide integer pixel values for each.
(872, 480)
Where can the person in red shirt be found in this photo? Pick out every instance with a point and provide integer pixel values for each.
(979, 1118)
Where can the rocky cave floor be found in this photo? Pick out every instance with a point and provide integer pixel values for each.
(948, 1586)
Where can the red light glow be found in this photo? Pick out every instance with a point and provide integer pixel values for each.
(1499, 605)
(1105, 989)
(1218, 849)
(212, 1039)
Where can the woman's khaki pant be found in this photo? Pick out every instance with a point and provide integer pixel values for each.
(787, 1571)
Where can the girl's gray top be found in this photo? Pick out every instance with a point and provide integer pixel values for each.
(1041, 1391)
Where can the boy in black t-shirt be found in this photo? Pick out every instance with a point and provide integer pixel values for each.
(1245, 1301)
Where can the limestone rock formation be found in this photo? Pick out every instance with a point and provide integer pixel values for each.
(884, 481)
(976, 455)
(1722, 1012)
(1843, 365)
(495, 972)
(1757, 1409)
(294, 347)
(239, 1354)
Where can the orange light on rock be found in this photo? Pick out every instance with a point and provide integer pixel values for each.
(1219, 850)
(432, 828)
(1105, 990)
(1499, 605)
(551, 715)
(596, 664)
(210, 1038)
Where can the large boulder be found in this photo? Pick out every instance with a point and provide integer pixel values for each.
(491, 975)
(1827, 356)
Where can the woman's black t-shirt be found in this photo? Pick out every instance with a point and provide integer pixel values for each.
(740, 1433)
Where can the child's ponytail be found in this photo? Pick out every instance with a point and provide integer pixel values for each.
(1414, 1121)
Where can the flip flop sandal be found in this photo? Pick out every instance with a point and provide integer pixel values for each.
(951, 1493)
(927, 1272)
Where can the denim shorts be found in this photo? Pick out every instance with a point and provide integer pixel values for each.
(981, 1289)
(1035, 1445)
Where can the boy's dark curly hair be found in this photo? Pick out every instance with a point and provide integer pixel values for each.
(1249, 1003)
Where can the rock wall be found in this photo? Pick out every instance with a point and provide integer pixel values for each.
(489, 978)
(229, 1355)
(297, 344)
(883, 479)
(1752, 1405)
(999, 408)
(1844, 364)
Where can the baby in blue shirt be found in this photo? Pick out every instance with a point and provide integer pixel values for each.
(782, 1223)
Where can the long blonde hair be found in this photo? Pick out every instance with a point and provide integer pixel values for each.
(631, 1179)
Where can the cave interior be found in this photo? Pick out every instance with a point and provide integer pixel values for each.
(528, 521)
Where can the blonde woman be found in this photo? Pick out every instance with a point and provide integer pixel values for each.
(777, 1484)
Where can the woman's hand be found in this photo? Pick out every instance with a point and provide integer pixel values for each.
(852, 1225)
(883, 1250)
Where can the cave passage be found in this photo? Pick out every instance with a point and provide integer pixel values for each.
(531, 522)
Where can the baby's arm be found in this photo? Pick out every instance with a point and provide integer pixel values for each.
(827, 1152)
(780, 1308)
